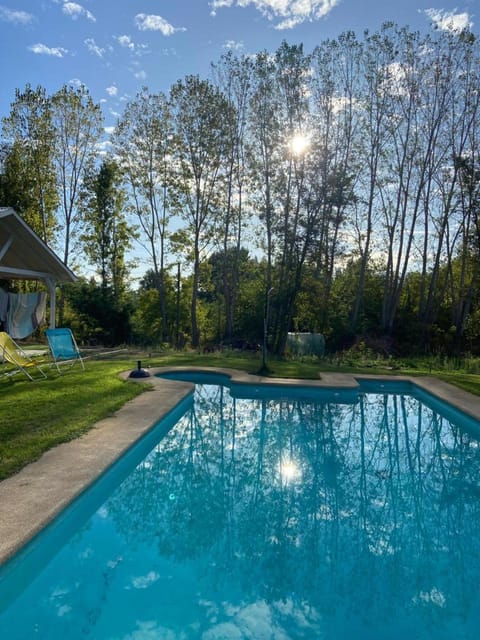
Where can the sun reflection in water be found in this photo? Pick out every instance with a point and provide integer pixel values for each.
(289, 471)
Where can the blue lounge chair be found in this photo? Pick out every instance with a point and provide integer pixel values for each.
(63, 348)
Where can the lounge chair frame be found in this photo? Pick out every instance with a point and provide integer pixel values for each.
(63, 348)
(13, 354)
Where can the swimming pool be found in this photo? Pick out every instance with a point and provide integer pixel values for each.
(266, 512)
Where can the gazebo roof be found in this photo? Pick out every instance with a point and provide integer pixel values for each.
(24, 255)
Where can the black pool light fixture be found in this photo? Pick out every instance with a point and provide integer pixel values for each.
(139, 372)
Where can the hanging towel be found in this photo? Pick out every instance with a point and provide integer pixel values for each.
(26, 312)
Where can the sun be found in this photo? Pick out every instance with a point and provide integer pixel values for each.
(299, 144)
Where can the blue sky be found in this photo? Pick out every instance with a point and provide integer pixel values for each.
(115, 47)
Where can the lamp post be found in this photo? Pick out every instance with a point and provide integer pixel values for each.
(177, 331)
(178, 288)
(265, 330)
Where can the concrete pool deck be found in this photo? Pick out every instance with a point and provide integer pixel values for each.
(33, 497)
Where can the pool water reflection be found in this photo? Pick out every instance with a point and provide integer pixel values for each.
(278, 517)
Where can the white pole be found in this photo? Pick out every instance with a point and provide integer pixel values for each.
(52, 291)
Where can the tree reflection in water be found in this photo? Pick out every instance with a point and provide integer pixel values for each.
(375, 525)
(285, 519)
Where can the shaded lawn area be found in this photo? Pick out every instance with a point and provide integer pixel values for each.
(35, 416)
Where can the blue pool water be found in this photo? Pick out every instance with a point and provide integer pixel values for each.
(269, 513)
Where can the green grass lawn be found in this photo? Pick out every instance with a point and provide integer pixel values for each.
(35, 416)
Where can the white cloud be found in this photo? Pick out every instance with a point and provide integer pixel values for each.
(140, 75)
(142, 582)
(169, 52)
(219, 4)
(109, 130)
(75, 10)
(95, 49)
(57, 52)
(233, 45)
(15, 17)
(76, 82)
(126, 41)
(104, 147)
(146, 22)
(290, 12)
(448, 20)
(112, 90)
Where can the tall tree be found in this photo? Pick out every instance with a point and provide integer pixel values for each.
(335, 170)
(28, 177)
(292, 71)
(369, 143)
(449, 214)
(143, 143)
(265, 156)
(107, 236)
(77, 123)
(201, 116)
(234, 77)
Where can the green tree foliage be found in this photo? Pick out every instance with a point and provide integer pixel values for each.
(374, 197)
(28, 181)
(98, 316)
(147, 322)
(201, 114)
(236, 269)
(234, 78)
(143, 142)
(107, 236)
(77, 123)
(369, 227)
